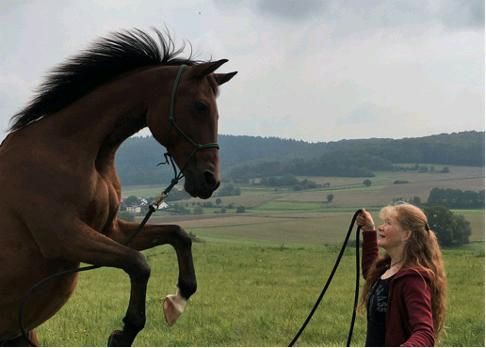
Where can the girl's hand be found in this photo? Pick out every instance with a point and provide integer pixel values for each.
(365, 221)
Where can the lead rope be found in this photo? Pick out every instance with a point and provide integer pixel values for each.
(329, 280)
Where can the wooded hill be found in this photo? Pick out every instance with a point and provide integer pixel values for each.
(243, 157)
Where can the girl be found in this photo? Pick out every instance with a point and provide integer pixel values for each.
(405, 290)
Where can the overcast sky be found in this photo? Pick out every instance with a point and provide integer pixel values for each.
(317, 70)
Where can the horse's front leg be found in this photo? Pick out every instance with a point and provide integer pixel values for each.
(72, 239)
(153, 235)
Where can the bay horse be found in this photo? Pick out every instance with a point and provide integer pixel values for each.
(60, 192)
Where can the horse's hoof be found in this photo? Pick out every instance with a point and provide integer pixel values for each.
(118, 339)
(173, 307)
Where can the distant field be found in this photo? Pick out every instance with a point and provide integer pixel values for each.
(254, 295)
(291, 227)
(348, 192)
(303, 217)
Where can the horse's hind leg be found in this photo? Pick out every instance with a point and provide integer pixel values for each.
(76, 241)
(21, 341)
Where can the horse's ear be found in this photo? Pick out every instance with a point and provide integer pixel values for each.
(223, 78)
(201, 70)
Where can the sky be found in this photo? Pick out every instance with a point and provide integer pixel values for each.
(313, 70)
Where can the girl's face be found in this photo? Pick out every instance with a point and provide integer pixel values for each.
(390, 233)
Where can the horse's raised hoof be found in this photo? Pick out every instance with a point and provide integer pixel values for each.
(119, 339)
(173, 307)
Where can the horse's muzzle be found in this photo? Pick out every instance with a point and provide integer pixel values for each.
(202, 185)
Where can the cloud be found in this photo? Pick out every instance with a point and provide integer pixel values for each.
(290, 9)
(461, 14)
(347, 16)
(12, 88)
(321, 70)
(362, 114)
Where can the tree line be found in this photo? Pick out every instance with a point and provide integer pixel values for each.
(456, 199)
(452, 230)
(138, 158)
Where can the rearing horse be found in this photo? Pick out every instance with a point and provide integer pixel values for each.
(59, 189)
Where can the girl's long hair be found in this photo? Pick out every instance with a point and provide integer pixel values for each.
(421, 252)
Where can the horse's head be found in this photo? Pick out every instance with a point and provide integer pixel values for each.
(189, 127)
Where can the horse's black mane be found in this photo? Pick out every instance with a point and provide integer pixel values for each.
(106, 59)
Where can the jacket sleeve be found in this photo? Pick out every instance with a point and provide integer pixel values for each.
(417, 297)
(370, 251)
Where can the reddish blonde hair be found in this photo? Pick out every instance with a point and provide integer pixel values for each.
(421, 252)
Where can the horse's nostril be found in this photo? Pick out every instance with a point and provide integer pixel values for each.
(210, 180)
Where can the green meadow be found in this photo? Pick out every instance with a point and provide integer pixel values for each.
(255, 295)
(260, 272)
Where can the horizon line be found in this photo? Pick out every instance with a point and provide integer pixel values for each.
(137, 135)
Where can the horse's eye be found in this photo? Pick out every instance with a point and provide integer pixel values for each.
(201, 107)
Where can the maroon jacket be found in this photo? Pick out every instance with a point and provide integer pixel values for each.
(409, 319)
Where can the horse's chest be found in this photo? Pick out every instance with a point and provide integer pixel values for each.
(103, 207)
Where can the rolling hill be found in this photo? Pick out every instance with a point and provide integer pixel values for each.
(138, 157)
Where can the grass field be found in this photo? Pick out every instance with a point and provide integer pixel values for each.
(255, 295)
(260, 272)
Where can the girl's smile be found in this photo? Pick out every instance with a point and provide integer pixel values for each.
(390, 233)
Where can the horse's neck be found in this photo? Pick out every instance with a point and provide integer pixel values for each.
(103, 119)
(110, 114)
